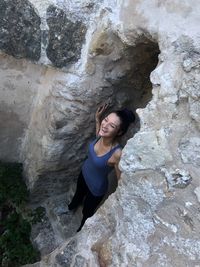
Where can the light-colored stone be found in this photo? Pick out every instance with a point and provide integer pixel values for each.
(20, 81)
(148, 150)
(190, 150)
(197, 192)
(194, 105)
(177, 178)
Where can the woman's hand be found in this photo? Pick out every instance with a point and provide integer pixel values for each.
(100, 111)
(98, 115)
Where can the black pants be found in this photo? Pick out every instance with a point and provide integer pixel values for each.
(90, 203)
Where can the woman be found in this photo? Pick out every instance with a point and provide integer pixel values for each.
(103, 155)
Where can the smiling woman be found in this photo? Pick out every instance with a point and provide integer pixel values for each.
(103, 155)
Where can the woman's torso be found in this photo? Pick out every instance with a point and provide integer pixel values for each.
(96, 167)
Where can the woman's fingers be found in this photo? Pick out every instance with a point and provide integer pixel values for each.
(102, 108)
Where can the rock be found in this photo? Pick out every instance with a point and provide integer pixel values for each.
(65, 257)
(65, 37)
(177, 178)
(149, 150)
(190, 150)
(102, 43)
(197, 192)
(20, 34)
(194, 106)
(43, 237)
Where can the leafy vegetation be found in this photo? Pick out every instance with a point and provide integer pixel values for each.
(15, 221)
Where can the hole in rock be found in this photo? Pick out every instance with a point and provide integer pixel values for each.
(130, 80)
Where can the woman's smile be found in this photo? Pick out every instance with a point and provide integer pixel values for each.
(104, 129)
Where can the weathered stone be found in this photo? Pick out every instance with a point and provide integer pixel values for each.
(20, 34)
(191, 61)
(102, 43)
(197, 192)
(193, 89)
(190, 150)
(79, 261)
(90, 68)
(43, 236)
(149, 150)
(194, 105)
(65, 37)
(64, 258)
(177, 178)
(9, 140)
(18, 88)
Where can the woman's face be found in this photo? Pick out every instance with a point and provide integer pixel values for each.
(110, 126)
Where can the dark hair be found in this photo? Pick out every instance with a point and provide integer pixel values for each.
(126, 117)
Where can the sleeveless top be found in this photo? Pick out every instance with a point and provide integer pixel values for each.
(95, 170)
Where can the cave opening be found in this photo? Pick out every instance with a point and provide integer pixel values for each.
(134, 84)
(133, 88)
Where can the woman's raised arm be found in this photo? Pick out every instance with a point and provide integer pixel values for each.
(98, 115)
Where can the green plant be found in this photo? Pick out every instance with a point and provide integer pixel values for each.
(37, 215)
(12, 187)
(15, 246)
(15, 243)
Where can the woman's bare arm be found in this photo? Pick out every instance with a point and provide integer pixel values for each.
(117, 157)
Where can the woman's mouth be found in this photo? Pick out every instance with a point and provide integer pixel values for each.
(103, 130)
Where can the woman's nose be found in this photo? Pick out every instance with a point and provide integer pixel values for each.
(105, 125)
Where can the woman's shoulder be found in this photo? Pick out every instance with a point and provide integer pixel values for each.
(118, 152)
(117, 146)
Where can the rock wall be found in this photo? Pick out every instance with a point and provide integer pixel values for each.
(153, 217)
(19, 85)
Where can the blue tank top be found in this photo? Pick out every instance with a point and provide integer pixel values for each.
(95, 170)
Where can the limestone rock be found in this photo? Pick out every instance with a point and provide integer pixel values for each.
(197, 192)
(190, 150)
(177, 178)
(147, 150)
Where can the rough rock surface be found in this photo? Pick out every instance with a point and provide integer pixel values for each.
(152, 219)
(18, 89)
(65, 37)
(20, 33)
